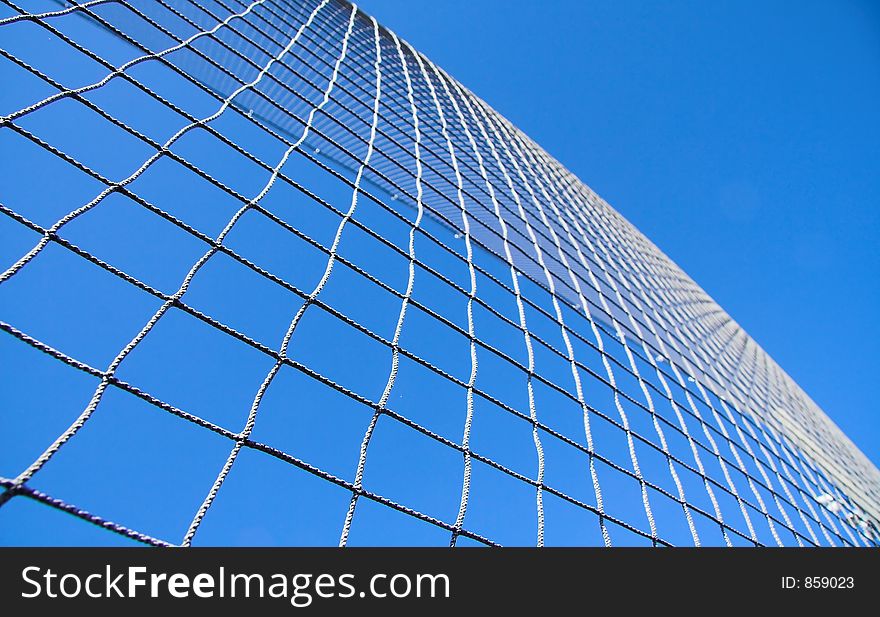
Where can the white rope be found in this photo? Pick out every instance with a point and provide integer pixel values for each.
(282, 352)
(362, 458)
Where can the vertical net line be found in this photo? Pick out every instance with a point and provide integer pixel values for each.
(653, 362)
(466, 477)
(359, 474)
(465, 219)
(828, 517)
(574, 368)
(814, 477)
(802, 466)
(681, 382)
(743, 440)
(751, 452)
(572, 361)
(527, 336)
(609, 371)
(411, 274)
(312, 297)
(283, 350)
(633, 366)
(704, 426)
(752, 350)
(837, 500)
(783, 483)
(694, 410)
(550, 278)
(772, 440)
(469, 412)
(807, 493)
(621, 412)
(753, 361)
(566, 199)
(664, 354)
(80, 421)
(689, 371)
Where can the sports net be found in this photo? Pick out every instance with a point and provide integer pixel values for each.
(272, 276)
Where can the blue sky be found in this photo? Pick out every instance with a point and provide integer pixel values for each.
(744, 147)
(743, 138)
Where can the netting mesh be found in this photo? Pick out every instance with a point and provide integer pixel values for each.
(267, 268)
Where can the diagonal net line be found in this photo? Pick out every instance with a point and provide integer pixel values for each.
(85, 515)
(640, 295)
(284, 456)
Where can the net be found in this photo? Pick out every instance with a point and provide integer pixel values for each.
(272, 276)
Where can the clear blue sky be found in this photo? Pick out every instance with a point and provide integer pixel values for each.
(743, 138)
